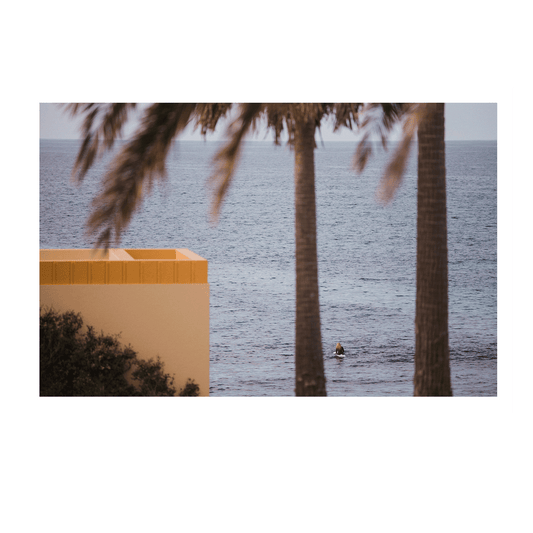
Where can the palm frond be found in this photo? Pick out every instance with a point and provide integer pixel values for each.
(377, 119)
(226, 159)
(101, 126)
(133, 171)
(142, 160)
(278, 119)
(346, 115)
(207, 116)
(309, 112)
(392, 178)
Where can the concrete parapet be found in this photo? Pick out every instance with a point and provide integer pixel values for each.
(118, 267)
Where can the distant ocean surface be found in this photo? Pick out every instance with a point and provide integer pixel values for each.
(366, 254)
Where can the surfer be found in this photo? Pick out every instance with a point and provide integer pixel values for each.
(339, 350)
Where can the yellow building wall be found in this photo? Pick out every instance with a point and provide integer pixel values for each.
(161, 309)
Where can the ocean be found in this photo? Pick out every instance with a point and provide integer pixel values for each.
(366, 256)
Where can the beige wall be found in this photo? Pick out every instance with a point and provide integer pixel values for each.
(169, 320)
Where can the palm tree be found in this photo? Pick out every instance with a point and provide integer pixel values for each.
(142, 160)
(432, 355)
(432, 361)
(308, 357)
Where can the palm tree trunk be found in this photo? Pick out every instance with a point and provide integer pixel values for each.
(310, 378)
(432, 358)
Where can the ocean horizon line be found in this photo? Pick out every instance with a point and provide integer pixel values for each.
(271, 141)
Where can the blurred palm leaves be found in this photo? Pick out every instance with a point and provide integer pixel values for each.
(378, 120)
(141, 161)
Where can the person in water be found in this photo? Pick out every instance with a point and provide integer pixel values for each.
(339, 350)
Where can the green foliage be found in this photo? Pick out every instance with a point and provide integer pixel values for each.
(87, 364)
(190, 389)
(151, 378)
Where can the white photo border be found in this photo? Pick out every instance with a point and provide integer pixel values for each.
(30, 96)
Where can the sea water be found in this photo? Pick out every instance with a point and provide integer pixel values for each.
(366, 260)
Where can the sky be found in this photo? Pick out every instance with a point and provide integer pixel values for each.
(463, 122)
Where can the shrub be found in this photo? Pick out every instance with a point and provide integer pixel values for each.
(190, 389)
(88, 364)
